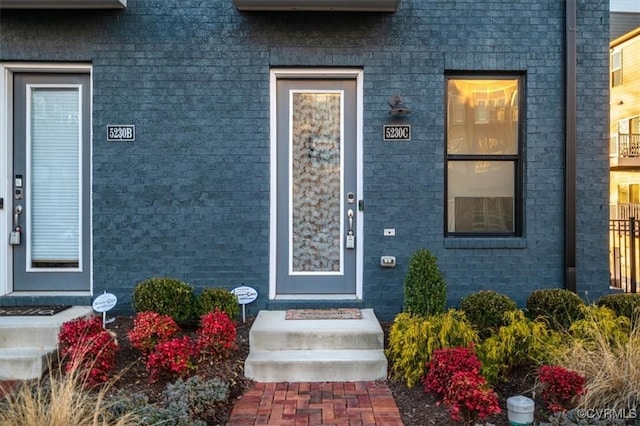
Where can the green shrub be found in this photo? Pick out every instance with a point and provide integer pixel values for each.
(485, 309)
(425, 290)
(559, 307)
(623, 304)
(522, 343)
(413, 338)
(218, 298)
(166, 296)
(197, 397)
(192, 402)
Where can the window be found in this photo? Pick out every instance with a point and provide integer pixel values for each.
(483, 154)
(616, 68)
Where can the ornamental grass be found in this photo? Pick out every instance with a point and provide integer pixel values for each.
(605, 350)
(59, 400)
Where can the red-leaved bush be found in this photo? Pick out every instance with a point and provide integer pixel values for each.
(217, 334)
(447, 362)
(150, 329)
(454, 375)
(88, 350)
(560, 387)
(469, 398)
(176, 358)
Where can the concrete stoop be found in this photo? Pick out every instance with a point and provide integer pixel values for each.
(28, 343)
(283, 350)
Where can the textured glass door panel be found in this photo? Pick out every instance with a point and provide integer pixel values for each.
(316, 168)
(55, 178)
(316, 182)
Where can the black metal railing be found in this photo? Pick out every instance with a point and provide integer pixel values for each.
(624, 244)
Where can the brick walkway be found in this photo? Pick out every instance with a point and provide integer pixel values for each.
(330, 403)
(7, 386)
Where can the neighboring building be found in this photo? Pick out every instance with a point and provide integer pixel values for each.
(247, 147)
(625, 115)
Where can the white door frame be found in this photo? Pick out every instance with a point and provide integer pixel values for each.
(314, 73)
(7, 70)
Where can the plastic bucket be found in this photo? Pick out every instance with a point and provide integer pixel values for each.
(520, 410)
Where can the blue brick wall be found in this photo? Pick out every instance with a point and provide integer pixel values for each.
(190, 197)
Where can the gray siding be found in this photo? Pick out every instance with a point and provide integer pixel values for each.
(190, 197)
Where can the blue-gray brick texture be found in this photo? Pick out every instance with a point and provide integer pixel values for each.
(190, 198)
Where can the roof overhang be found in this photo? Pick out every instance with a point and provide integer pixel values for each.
(63, 4)
(318, 5)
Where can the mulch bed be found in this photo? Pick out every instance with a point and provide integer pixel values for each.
(417, 408)
(134, 378)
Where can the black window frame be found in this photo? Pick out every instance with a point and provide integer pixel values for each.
(517, 159)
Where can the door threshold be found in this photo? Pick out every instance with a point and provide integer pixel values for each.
(316, 297)
(46, 293)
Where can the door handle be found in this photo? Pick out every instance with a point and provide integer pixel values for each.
(16, 217)
(350, 237)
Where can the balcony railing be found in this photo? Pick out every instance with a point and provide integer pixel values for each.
(624, 211)
(628, 145)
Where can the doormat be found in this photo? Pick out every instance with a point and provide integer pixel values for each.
(31, 311)
(323, 314)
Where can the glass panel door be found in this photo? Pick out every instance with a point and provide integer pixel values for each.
(316, 183)
(53, 174)
(51, 164)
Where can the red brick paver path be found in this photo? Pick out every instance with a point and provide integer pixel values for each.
(329, 403)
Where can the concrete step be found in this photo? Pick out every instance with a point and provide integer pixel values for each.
(28, 342)
(270, 331)
(315, 350)
(25, 363)
(36, 331)
(316, 366)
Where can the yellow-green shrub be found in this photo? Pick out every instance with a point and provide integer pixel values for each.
(627, 304)
(600, 322)
(413, 338)
(599, 349)
(522, 343)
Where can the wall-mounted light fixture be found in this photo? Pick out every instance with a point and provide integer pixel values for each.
(398, 107)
